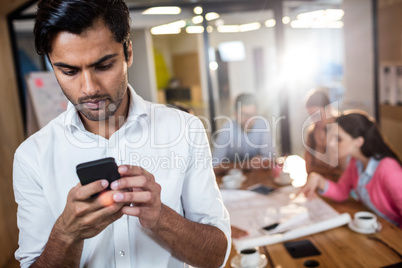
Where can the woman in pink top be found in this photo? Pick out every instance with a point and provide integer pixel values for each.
(374, 172)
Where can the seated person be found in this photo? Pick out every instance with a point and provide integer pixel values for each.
(374, 172)
(244, 142)
(316, 155)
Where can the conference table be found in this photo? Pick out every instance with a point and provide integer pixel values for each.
(339, 247)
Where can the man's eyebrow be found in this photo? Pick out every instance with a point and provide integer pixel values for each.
(65, 65)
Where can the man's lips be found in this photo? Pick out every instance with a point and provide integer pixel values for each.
(94, 104)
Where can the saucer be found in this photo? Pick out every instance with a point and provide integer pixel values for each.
(235, 262)
(222, 186)
(353, 227)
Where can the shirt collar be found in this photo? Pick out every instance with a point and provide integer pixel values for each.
(137, 108)
(371, 166)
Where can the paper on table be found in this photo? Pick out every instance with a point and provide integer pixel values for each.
(297, 216)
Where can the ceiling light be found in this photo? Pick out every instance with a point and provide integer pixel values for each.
(334, 14)
(270, 23)
(285, 20)
(316, 24)
(162, 11)
(197, 10)
(197, 19)
(310, 15)
(219, 22)
(194, 29)
(250, 27)
(178, 24)
(210, 29)
(228, 28)
(322, 15)
(170, 28)
(165, 29)
(213, 66)
(211, 16)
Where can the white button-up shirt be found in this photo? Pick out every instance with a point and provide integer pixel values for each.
(170, 144)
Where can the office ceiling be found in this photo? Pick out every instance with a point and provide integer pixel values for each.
(231, 11)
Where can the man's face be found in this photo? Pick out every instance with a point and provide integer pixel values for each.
(92, 71)
(245, 116)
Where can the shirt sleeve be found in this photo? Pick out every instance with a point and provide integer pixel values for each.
(34, 218)
(339, 191)
(201, 198)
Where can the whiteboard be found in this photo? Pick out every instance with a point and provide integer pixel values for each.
(45, 97)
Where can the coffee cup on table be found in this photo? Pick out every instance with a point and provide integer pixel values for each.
(365, 220)
(232, 181)
(235, 171)
(250, 257)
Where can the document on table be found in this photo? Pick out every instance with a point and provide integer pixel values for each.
(295, 215)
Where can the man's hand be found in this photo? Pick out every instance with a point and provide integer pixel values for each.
(85, 216)
(138, 187)
(141, 194)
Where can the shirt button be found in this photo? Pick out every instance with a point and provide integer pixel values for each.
(122, 253)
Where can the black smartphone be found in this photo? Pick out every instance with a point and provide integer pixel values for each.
(270, 227)
(301, 249)
(261, 189)
(105, 168)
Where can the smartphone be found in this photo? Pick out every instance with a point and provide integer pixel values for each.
(261, 189)
(105, 168)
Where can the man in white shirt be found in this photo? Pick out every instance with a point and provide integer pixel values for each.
(165, 211)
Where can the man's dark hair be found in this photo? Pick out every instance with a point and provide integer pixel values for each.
(317, 98)
(245, 99)
(76, 16)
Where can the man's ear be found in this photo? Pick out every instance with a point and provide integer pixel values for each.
(359, 141)
(130, 54)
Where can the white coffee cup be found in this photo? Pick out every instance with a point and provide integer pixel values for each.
(365, 220)
(235, 171)
(250, 257)
(232, 181)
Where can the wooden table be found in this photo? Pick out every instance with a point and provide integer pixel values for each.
(339, 247)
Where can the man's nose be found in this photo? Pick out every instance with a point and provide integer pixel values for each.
(90, 83)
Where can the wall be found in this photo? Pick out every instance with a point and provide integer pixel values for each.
(141, 74)
(390, 52)
(359, 56)
(11, 135)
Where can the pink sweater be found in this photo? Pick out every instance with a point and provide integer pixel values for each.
(384, 188)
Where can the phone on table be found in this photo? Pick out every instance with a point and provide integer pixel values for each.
(105, 168)
(261, 189)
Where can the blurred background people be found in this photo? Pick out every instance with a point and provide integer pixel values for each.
(245, 141)
(374, 172)
(316, 155)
